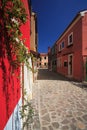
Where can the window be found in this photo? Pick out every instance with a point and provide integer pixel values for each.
(65, 63)
(45, 57)
(40, 58)
(61, 46)
(70, 39)
(45, 64)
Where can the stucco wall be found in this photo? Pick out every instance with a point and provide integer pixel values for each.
(10, 82)
(15, 121)
(84, 35)
(75, 49)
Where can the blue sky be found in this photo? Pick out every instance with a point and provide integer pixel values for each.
(53, 17)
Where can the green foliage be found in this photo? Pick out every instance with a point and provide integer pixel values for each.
(27, 112)
(14, 16)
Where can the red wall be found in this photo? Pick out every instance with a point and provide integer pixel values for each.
(26, 27)
(9, 89)
(63, 70)
(84, 44)
(10, 83)
(84, 35)
(75, 49)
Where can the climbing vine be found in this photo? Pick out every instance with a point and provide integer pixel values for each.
(26, 112)
(14, 15)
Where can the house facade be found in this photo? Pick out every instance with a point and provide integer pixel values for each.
(43, 60)
(11, 83)
(52, 58)
(34, 44)
(34, 33)
(49, 59)
(72, 49)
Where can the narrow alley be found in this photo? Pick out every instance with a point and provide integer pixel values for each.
(59, 104)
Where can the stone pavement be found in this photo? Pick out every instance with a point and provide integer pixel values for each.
(59, 104)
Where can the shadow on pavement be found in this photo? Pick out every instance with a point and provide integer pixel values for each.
(45, 74)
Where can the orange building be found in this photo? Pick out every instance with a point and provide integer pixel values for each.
(34, 33)
(34, 43)
(43, 60)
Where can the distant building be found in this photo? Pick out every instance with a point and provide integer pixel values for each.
(52, 58)
(43, 60)
(34, 43)
(49, 59)
(34, 33)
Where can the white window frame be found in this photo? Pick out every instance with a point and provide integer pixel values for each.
(71, 34)
(60, 46)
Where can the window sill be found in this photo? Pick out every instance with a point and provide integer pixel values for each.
(70, 45)
(59, 51)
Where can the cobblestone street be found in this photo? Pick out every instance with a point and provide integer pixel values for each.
(59, 104)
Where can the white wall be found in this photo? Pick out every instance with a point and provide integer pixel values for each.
(28, 80)
(15, 122)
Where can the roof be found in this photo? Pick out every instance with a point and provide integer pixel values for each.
(43, 54)
(81, 13)
(36, 54)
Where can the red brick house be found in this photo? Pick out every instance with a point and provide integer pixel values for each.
(10, 86)
(72, 49)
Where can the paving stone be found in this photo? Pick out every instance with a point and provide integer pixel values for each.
(80, 125)
(46, 118)
(55, 124)
(65, 121)
(72, 127)
(51, 109)
(44, 123)
(65, 128)
(68, 116)
(53, 113)
(44, 128)
(53, 117)
(85, 128)
(36, 125)
(60, 104)
(50, 128)
(85, 117)
(73, 120)
(44, 111)
(79, 119)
